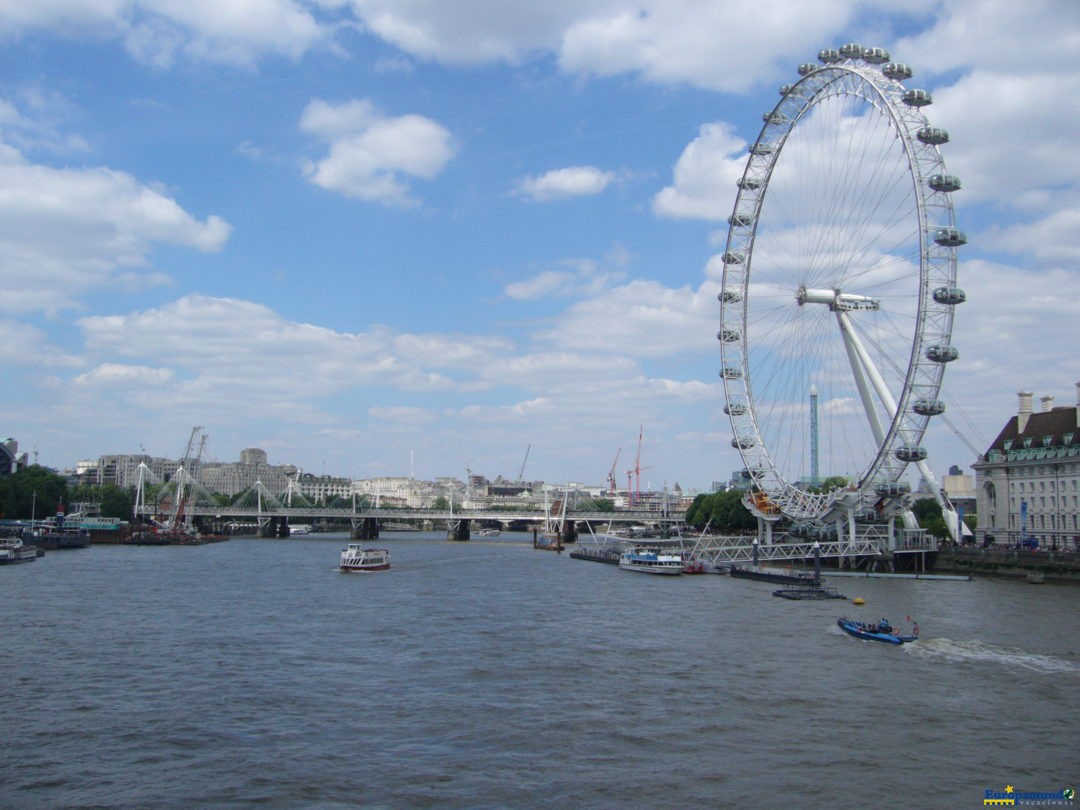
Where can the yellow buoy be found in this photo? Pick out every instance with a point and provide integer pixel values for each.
(858, 600)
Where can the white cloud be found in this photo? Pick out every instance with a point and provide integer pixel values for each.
(25, 345)
(403, 415)
(1037, 36)
(1053, 240)
(573, 181)
(720, 46)
(641, 318)
(705, 175)
(1010, 135)
(370, 153)
(124, 375)
(234, 346)
(158, 32)
(472, 31)
(585, 279)
(727, 46)
(64, 232)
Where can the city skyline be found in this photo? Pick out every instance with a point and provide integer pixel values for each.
(382, 239)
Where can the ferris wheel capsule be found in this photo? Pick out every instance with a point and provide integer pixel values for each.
(897, 71)
(911, 452)
(950, 296)
(942, 353)
(928, 407)
(944, 182)
(932, 136)
(875, 56)
(917, 98)
(950, 237)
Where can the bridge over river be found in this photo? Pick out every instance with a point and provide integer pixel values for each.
(274, 520)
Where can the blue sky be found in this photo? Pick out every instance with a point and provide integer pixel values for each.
(375, 237)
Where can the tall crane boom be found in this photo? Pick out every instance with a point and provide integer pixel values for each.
(611, 472)
(521, 474)
(637, 464)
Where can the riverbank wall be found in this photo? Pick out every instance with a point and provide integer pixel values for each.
(1057, 566)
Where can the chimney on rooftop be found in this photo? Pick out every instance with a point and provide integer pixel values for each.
(1047, 401)
(1023, 413)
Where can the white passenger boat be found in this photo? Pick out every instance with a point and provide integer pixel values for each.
(651, 562)
(296, 529)
(12, 551)
(358, 558)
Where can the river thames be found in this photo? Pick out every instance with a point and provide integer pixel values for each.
(253, 673)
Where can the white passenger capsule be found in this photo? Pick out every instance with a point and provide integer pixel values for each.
(942, 353)
(875, 56)
(911, 452)
(950, 237)
(917, 98)
(897, 71)
(944, 182)
(933, 136)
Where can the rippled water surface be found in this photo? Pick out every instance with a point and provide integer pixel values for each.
(487, 674)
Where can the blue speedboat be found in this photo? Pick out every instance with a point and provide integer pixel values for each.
(876, 631)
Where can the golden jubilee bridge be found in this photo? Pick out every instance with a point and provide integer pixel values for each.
(184, 506)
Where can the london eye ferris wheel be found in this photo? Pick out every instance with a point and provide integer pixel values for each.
(839, 278)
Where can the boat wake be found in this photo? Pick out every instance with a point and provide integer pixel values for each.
(980, 652)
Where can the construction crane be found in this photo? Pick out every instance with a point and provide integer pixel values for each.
(611, 472)
(178, 516)
(521, 474)
(633, 476)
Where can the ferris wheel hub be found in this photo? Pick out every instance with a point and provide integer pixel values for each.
(836, 299)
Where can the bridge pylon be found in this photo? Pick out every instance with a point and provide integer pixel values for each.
(365, 528)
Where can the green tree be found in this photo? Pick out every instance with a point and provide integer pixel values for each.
(926, 509)
(720, 511)
(830, 483)
(35, 491)
(441, 503)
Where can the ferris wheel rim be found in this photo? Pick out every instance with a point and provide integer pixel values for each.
(882, 89)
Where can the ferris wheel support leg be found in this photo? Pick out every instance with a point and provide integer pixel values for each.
(851, 340)
(856, 358)
(948, 513)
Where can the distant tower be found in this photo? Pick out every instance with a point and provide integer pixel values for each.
(813, 437)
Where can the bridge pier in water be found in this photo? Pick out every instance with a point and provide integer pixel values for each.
(458, 530)
(272, 527)
(568, 532)
(365, 529)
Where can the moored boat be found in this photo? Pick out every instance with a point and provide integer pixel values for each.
(882, 631)
(12, 550)
(651, 562)
(358, 558)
